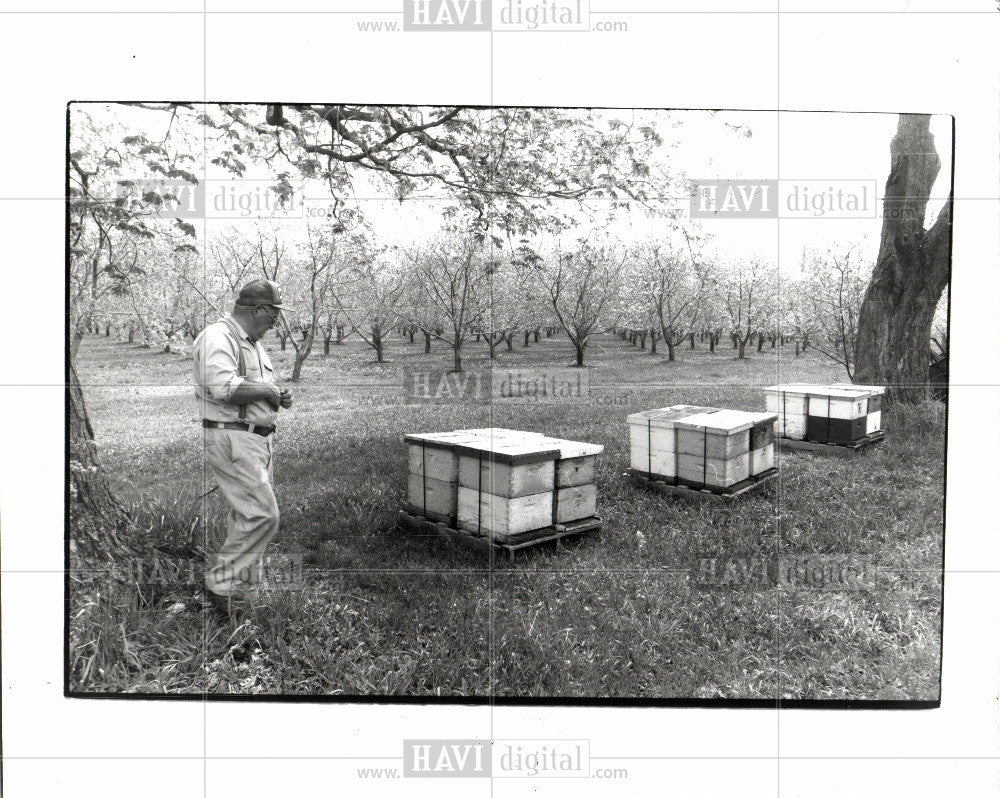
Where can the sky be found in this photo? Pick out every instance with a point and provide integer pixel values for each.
(814, 151)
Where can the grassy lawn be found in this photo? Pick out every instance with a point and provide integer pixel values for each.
(384, 611)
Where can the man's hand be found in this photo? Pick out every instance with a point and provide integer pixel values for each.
(286, 398)
(274, 397)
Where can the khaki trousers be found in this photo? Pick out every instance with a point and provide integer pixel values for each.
(242, 464)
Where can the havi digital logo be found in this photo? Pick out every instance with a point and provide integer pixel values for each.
(436, 759)
(439, 15)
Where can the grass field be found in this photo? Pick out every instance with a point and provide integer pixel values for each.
(382, 611)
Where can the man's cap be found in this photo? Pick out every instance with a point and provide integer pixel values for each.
(261, 293)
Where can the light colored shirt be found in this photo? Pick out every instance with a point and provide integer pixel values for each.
(216, 374)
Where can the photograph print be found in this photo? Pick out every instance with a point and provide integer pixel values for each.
(506, 404)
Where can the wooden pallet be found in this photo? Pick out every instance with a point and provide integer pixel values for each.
(483, 543)
(666, 485)
(841, 449)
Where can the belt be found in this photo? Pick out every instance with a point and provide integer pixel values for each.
(257, 429)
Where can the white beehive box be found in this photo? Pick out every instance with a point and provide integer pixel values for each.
(509, 469)
(838, 413)
(506, 485)
(501, 482)
(790, 403)
(714, 448)
(577, 461)
(652, 437)
(874, 395)
(501, 517)
(432, 478)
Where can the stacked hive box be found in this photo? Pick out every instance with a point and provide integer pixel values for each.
(499, 482)
(509, 486)
(873, 412)
(432, 479)
(576, 486)
(838, 414)
(702, 447)
(653, 437)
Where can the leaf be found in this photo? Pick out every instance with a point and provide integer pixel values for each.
(187, 229)
(184, 175)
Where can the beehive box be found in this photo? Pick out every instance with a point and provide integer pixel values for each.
(653, 438)
(511, 483)
(873, 413)
(432, 473)
(837, 414)
(506, 485)
(714, 449)
(577, 461)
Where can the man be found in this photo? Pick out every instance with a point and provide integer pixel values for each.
(239, 402)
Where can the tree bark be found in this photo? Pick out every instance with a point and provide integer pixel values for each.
(912, 270)
(97, 520)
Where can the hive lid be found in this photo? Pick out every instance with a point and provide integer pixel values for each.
(836, 391)
(799, 388)
(726, 422)
(569, 449)
(438, 440)
(872, 390)
(499, 432)
(509, 452)
(666, 417)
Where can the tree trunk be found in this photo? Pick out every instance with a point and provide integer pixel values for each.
(670, 349)
(711, 343)
(911, 271)
(692, 340)
(427, 342)
(457, 351)
(742, 346)
(97, 520)
(760, 342)
(579, 354)
(538, 335)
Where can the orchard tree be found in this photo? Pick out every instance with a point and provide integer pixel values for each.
(676, 286)
(374, 285)
(747, 290)
(452, 271)
(583, 288)
(834, 281)
(912, 270)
